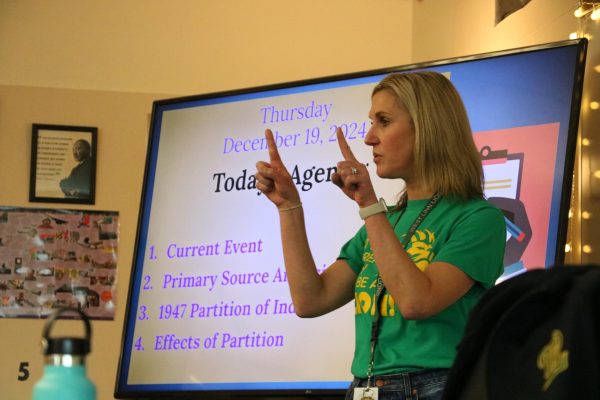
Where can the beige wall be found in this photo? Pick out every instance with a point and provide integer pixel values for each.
(102, 63)
(122, 119)
(447, 28)
(196, 46)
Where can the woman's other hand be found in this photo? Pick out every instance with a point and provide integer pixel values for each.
(352, 176)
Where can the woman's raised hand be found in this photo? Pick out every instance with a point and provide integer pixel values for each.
(274, 180)
(352, 176)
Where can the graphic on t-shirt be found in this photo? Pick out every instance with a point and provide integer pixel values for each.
(420, 250)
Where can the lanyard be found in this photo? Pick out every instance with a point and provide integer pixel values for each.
(379, 289)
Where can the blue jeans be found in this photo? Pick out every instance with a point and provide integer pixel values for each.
(421, 385)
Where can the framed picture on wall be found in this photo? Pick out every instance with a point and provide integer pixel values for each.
(63, 164)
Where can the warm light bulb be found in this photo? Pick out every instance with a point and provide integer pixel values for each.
(594, 105)
(597, 174)
(580, 12)
(595, 14)
(586, 214)
(585, 142)
(573, 35)
(567, 247)
(587, 248)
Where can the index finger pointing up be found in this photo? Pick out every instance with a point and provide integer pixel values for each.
(273, 152)
(344, 147)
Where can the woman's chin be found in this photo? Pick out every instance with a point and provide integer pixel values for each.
(382, 173)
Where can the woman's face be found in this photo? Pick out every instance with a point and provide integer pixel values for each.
(392, 137)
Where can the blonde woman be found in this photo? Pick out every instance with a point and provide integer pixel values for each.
(416, 269)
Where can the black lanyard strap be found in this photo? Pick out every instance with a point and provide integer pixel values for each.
(380, 286)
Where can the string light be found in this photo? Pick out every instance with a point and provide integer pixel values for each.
(585, 12)
(582, 10)
(586, 215)
(587, 7)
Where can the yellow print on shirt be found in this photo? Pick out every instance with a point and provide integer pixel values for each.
(420, 246)
(368, 255)
(365, 304)
(419, 249)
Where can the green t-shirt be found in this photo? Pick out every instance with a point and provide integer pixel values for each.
(469, 235)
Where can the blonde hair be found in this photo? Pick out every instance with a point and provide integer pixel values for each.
(445, 156)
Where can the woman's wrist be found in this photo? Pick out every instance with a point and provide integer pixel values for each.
(375, 208)
(368, 202)
(290, 207)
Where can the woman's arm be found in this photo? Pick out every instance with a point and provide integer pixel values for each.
(418, 294)
(313, 294)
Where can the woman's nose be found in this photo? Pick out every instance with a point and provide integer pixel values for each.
(370, 137)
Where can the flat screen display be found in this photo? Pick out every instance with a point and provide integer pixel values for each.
(209, 311)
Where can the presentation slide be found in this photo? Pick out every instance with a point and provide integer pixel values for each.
(209, 308)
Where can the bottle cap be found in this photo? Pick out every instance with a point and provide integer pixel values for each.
(66, 345)
(73, 346)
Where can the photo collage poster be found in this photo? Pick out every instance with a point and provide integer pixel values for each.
(52, 258)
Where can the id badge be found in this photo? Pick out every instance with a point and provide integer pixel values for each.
(371, 393)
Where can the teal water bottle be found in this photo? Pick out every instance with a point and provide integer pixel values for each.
(64, 375)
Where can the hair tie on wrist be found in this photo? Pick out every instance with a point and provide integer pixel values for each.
(291, 208)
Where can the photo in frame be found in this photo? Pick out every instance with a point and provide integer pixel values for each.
(63, 164)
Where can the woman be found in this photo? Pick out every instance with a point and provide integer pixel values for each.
(432, 256)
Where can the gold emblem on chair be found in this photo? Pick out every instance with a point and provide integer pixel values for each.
(553, 360)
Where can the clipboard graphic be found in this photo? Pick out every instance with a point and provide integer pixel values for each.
(502, 172)
(502, 187)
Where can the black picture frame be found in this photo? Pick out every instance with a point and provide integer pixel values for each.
(57, 174)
